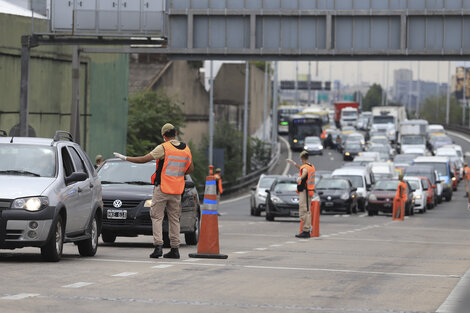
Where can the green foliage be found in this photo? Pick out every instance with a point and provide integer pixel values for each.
(373, 97)
(434, 110)
(196, 64)
(148, 112)
(261, 64)
(201, 165)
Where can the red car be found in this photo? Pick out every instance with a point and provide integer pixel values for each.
(427, 186)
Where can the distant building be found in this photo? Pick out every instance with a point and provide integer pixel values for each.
(401, 75)
(410, 93)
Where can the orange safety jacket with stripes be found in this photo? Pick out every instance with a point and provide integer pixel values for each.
(171, 170)
(466, 172)
(401, 191)
(309, 181)
(218, 179)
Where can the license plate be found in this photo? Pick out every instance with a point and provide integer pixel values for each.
(117, 214)
(387, 205)
(329, 204)
(294, 213)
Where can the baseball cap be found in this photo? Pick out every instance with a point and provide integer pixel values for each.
(98, 157)
(218, 170)
(304, 154)
(167, 127)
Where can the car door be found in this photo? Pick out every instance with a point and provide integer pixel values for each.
(70, 196)
(84, 190)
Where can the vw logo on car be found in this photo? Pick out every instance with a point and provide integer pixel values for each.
(117, 203)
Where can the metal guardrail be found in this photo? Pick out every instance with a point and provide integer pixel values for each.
(457, 128)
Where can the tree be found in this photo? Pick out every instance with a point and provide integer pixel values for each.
(373, 97)
(434, 110)
(148, 112)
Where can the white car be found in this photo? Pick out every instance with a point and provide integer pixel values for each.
(258, 194)
(457, 148)
(419, 195)
(382, 170)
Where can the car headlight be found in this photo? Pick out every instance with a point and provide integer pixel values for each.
(295, 141)
(391, 133)
(347, 153)
(320, 147)
(372, 197)
(453, 178)
(344, 196)
(276, 200)
(31, 204)
(148, 203)
(418, 197)
(305, 148)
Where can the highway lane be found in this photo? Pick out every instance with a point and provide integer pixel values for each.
(359, 264)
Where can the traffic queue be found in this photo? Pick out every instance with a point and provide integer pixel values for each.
(420, 164)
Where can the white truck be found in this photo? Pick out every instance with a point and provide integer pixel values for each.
(387, 119)
(412, 136)
(349, 117)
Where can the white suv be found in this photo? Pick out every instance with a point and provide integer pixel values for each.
(50, 195)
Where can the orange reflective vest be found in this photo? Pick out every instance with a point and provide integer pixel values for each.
(401, 191)
(309, 183)
(466, 172)
(323, 135)
(171, 170)
(220, 190)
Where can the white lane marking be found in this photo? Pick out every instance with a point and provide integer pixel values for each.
(363, 215)
(458, 135)
(251, 223)
(235, 199)
(303, 240)
(329, 153)
(241, 252)
(325, 236)
(289, 156)
(404, 241)
(260, 249)
(124, 274)
(457, 297)
(346, 215)
(275, 245)
(77, 285)
(20, 296)
(191, 260)
(167, 265)
(290, 242)
(351, 271)
(337, 215)
(332, 159)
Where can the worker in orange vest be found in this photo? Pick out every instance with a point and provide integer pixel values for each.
(305, 189)
(174, 161)
(400, 200)
(466, 178)
(219, 188)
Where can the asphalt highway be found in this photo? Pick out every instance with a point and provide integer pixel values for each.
(359, 264)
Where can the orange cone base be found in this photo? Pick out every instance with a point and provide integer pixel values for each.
(208, 245)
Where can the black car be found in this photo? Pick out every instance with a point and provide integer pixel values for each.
(337, 195)
(282, 199)
(351, 149)
(127, 197)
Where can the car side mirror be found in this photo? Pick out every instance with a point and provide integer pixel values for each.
(368, 187)
(438, 181)
(253, 188)
(76, 177)
(267, 191)
(320, 193)
(353, 189)
(189, 184)
(413, 189)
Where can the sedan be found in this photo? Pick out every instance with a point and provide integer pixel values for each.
(313, 145)
(382, 195)
(351, 149)
(337, 194)
(258, 194)
(419, 194)
(282, 199)
(383, 151)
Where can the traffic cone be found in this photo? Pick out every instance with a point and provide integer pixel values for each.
(315, 218)
(208, 245)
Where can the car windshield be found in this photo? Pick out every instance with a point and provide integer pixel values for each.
(266, 182)
(352, 145)
(349, 113)
(126, 172)
(414, 184)
(410, 171)
(285, 186)
(379, 140)
(379, 149)
(27, 160)
(387, 119)
(386, 185)
(441, 168)
(404, 159)
(312, 140)
(413, 140)
(355, 180)
(337, 184)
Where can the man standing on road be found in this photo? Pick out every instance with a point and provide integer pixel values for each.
(305, 189)
(219, 188)
(174, 161)
(400, 200)
(466, 178)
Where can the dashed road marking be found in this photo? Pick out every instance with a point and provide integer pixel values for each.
(168, 265)
(77, 285)
(329, 153)
(20, 296)
(241, 252)
(124, 274)
(260, 249)
(275, 245)
(332, 159)
(363, 215)
(289, 242)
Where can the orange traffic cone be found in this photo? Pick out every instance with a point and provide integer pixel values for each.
(208, 245)
(315, 216)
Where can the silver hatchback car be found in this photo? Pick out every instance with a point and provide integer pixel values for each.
(49, 194)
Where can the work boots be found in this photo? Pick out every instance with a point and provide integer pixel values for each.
(158, 252)
(173, 254)
(304, 234)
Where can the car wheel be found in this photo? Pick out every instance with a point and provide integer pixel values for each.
(370, 212)
(89, 246)
(52, 251)
(166, 240)
(269, 217)
(192, 238)
(108, 237)
(449, 198)
(355, 209)
(257, 212)
(349, 209)
(439, 199)
(252, 208)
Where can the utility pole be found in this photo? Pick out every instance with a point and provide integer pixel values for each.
(296, 83)
(418, 104)
(265, 108)
(75, 112)
(211, 114)
(410, 83)
(448, 94)
(24, 86)
(386, 83)
(309, 82)
(464, 103)
(274, 113)
(245, 116)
